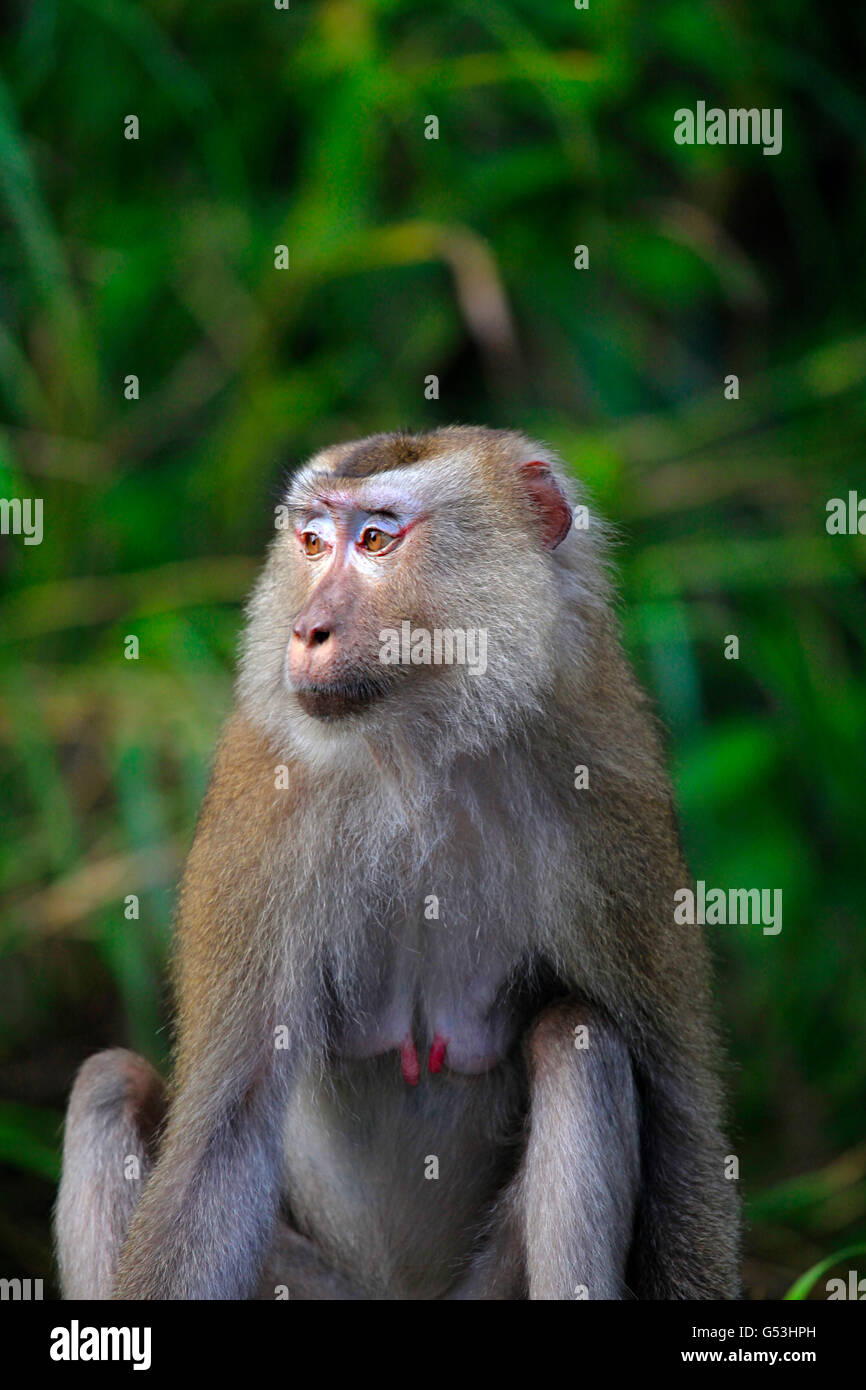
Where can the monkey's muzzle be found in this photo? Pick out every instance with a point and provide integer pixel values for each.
(336, 701)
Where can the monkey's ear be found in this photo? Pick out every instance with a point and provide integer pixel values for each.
(548, 501)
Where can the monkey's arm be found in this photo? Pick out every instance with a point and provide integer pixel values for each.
(623, 952)
(686, 1240)
(205, 1218)
(204, 1222)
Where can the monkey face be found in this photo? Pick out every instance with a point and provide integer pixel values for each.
(352, 558)
(422, 594)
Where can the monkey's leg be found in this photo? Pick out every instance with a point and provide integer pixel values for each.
(577, 1192)
(115, 1109)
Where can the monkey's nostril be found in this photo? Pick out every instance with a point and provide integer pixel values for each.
(320, 635)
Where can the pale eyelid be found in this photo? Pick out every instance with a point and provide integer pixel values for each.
(387, 522)
(395, 534)
(313, 521)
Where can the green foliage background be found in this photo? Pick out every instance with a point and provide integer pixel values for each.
(455, 257)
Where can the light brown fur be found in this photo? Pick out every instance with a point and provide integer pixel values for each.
(302, 915)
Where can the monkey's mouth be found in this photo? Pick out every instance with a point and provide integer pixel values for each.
(340, 698)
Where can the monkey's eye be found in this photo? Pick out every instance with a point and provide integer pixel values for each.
(313, 544)
(375, 542)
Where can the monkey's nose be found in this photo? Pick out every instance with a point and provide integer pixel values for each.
(312, 634)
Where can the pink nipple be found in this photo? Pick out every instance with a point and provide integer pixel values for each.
(409, 1064)
(437, 1053)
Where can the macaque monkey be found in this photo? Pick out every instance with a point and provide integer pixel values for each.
(439, 1034)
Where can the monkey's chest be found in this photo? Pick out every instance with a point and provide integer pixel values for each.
(439, 1007)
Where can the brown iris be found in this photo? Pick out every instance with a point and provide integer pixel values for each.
(312, 543)
(375, 541)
